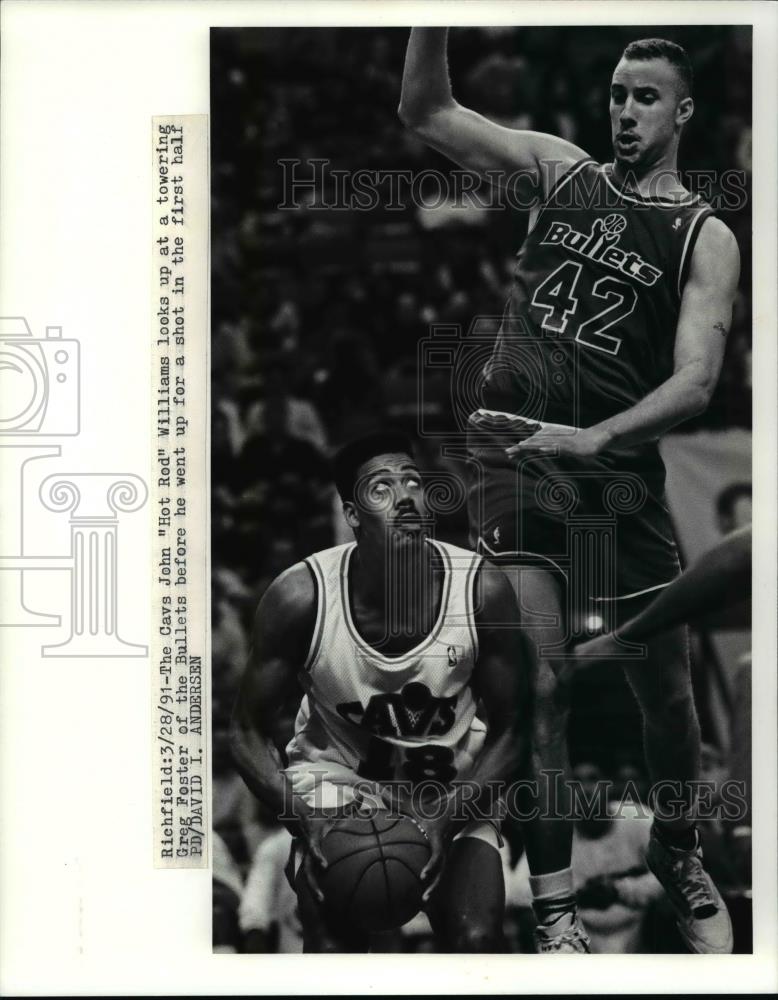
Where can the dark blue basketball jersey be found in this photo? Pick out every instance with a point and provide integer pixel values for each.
(589, 327)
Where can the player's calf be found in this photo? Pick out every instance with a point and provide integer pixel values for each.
(475, 937)
(321, 932)
(467, 909)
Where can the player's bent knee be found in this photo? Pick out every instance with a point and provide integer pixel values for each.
(475, 937)
(551, 705)
(676, 714)
(321, 946)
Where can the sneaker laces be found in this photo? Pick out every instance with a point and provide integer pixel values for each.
(693, 883)
(574, 935)
(696, 887)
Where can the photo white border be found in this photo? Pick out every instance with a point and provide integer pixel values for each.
(83, 909)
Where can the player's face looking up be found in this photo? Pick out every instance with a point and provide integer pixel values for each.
(649, 105)
(388, 494)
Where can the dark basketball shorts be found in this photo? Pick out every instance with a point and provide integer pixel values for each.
(600, 525)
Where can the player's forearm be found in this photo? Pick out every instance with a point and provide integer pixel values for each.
(259, 764)
(503, 758)
(719, 578)
(685, 394)
(425, 85)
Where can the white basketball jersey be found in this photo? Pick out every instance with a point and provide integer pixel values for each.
(366, 715)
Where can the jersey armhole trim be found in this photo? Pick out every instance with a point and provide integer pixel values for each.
(318, 628)
(567, 176)
(557, 187)
(472, 576)
(688, 247)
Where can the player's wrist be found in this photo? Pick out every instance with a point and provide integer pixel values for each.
(308, 819)
(604, 437)
(463, 806)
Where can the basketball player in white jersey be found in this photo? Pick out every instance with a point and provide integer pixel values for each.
(394, 638)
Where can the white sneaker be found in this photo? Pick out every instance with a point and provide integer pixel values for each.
(701, 913)
(569, 937)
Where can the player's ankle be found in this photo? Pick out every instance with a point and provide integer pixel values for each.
(553, 898)
(681, 838)
(557, 923)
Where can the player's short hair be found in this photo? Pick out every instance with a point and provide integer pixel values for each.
(729, 496)
(661, 48)
(347, 461)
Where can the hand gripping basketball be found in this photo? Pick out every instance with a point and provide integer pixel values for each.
(435, 825)
(373, 876)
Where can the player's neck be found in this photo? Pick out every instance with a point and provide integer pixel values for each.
(374, 575)
(658, 180)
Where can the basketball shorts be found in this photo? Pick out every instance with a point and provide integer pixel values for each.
(601, 525)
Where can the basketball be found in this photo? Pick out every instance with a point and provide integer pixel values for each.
(373, 878)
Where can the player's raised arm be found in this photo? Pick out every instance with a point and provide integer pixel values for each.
(282, 630)
(428, 108)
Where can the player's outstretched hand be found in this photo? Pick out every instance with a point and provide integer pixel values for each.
(553, 439)
(313, 826)
(601, 649)
(606, 648)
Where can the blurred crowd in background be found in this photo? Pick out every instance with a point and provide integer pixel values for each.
(317, 314)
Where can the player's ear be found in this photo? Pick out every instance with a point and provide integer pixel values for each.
(684, 111)
(350, 514)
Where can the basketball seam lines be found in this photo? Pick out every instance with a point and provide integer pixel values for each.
(406, 865)
(389, 900)
(369, 847)
(353, 893)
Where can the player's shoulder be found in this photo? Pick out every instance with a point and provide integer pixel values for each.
(716, 249)
(290, 599)
(330, 557)
(492, 590)
(559, 160)
(716, 237)
(456, 553)
(495, 599)
(285, 619)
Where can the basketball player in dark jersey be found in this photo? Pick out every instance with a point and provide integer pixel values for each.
(613, 334)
